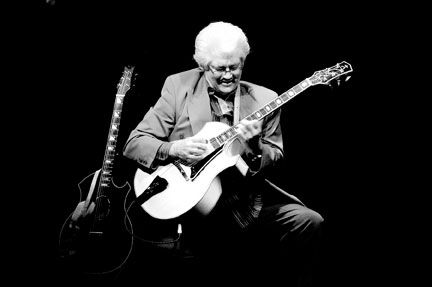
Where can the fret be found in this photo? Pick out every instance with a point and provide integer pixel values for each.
(105, 175)
(214, 143)
(110, 150)
(107, 167)
(297, 89)
(263, 111)
(291, 93)
(284, 97)
(230, 132)
(258, 114)
(273, 105)
(116, 121)
(111, 156)
(278, 101)
(108, 164)
(304, 84)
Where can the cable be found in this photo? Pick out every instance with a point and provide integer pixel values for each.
(179, 229)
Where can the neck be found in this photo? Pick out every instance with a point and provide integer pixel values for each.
(226, 97)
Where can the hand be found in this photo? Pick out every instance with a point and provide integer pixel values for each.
(189, 149)
(249, 129)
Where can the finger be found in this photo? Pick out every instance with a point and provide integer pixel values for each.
(244, 134)
(199, 140)
(197, 151)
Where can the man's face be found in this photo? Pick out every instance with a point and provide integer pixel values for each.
(223, 74)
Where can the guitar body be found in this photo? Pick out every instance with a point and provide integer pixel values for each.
(181, 194)
(100, 251)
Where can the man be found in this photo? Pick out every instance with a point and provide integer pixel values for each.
(252, 218)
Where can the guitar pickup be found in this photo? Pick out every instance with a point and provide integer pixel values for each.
(158, 185)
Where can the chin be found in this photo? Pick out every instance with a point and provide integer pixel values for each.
(226, 90)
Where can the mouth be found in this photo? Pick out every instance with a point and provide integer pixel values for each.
(226, 83)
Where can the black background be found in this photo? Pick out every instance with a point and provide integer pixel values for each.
(76, 58)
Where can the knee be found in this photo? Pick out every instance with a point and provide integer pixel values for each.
(309, 221)
(314, 219)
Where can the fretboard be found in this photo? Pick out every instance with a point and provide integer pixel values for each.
(110, 150)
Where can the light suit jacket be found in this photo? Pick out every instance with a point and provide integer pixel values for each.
(184, 108)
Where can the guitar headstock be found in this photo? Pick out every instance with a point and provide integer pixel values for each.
(125, 81)
(338, 72)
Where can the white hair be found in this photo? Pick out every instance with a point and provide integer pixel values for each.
(220, 39)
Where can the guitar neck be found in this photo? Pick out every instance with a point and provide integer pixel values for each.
(105, 180)
(110, 149)
(264, 111)
(324, 77)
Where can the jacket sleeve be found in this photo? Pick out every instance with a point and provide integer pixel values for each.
(270, 143)
(154, 129)
(267, 150)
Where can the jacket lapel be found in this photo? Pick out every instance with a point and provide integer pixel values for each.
(199, 106)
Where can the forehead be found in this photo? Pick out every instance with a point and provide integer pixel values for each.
(226, 60)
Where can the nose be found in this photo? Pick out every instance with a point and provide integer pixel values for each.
(227, 74)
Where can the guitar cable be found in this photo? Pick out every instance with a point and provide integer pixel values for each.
(173, 241)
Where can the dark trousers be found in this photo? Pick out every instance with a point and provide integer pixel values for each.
(282, 246)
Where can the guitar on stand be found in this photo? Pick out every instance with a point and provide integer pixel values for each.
(95, 236)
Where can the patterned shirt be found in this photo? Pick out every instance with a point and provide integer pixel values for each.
(244, 207)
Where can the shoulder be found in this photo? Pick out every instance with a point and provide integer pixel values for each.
(257, 91)
(185, 78)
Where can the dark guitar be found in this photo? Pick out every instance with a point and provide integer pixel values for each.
(173, 189)
(95, 238)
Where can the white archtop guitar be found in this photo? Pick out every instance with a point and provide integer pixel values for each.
(173, 189)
